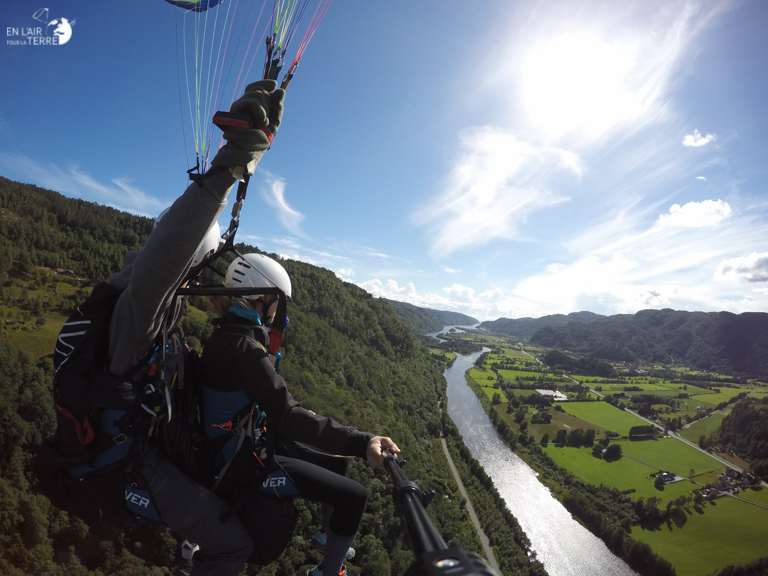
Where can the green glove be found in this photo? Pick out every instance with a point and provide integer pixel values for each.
(246, 146)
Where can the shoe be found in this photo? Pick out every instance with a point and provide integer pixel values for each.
(318, 543)
(184, 565)
(317, 571)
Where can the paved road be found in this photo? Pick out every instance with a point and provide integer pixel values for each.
(483, 538)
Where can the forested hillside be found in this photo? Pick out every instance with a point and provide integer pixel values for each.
(745, 432)
(39, 227)
(526, 327)
(425, 320)
(347, 355)
(716, 341)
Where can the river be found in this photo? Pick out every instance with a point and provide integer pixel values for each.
(564, 546)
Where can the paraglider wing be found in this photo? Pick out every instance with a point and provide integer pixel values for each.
(195, 5)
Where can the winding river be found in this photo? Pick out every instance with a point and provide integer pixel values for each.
(564, 546)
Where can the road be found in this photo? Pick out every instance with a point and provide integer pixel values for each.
(483, 538)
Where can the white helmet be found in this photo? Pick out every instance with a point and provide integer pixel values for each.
(259, 271)
(210, 242)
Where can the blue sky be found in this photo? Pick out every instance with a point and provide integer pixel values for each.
(502, 159)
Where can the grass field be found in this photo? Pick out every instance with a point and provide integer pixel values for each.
(758, 496)
(39, 341)
(603, 415)
(672, 455)
(724, 395)
(560, 420)
(727, 532)
(510, 375)
(622, 474)
(704, 426)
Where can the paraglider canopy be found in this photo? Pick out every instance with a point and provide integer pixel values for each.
(195, 5)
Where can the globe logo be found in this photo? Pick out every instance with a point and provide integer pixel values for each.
(60, 28)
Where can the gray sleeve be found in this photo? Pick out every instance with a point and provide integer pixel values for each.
(150, 279)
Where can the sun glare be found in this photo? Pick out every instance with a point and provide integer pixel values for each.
(577, 81)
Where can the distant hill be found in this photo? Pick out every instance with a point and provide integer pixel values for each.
(526, 327)
(426, 320)
(717, 341)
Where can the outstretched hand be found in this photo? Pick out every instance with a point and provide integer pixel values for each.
(374, 451)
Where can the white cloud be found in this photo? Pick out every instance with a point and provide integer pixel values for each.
(696, 214)
(77, 183)
(696, 140)
(651, 298)
(450, 270)
(495, 184)
(702, 178)
(274, 194)
(345, 273)
(752, 268)
(391, 290)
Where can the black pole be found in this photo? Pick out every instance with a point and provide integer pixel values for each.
(433, 556)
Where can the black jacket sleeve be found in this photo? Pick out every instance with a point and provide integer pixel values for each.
(232, 362)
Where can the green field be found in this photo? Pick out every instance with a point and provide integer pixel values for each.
(604, 415)
(672, 455)
(622, 474)
(759, 496)
(727, 532)
(704, 426)
(510, 375)
(38, 340)
(724, 395)
(481, 377)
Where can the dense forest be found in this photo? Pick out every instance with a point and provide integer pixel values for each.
(584, 366)
(716, 341)
(425, 320)
(347, 355)
(745, 432)
(526, 327)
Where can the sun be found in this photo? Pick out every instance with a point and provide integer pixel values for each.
(578, 81)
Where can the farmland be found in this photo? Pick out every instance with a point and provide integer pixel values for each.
(692, 538)
(603, 415)
(714, 536)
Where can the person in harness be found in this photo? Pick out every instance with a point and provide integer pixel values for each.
(303, 452)
(132, 385)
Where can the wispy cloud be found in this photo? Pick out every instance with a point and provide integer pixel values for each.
(274, 194)
(495, 183)
(702, 178)
(696, 140)
(449, 270)
(73, 181)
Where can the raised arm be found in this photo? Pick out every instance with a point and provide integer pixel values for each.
(150, 278)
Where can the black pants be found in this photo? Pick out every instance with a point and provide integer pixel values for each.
(320, 477)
